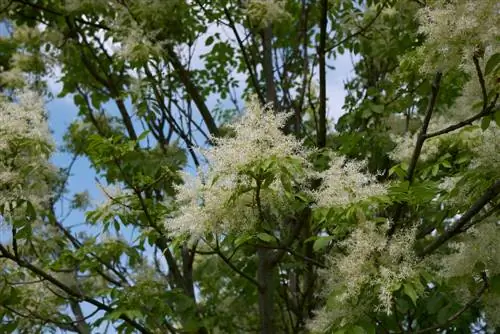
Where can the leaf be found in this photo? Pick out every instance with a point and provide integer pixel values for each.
(435, 170)
(485, 122)
(444, 314)
(377, 108)
(209, 40)
(497, 117)
(242, 239)
(143, 135)
(446, 164)
(492, 63)
(24, 232)
(357, 330)
(30, 211)
(494, 284)
(410, 292)
(321, 243)
(434, 304)
(265, 237)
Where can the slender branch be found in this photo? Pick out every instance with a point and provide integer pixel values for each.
(482, 83)
(457, 314)
(459, 125)
(232, 266)
(360, 31)
(458, 226)
(75, 294)
(486, 110)
(246, 58)
(322, 74)
(421, 137)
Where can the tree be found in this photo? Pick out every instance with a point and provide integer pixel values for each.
(387, 223)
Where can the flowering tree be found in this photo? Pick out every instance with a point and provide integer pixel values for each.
(387, 223)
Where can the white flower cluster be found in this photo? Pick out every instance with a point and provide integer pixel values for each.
(225, 196)
(25, 144)
(25, 119)
(258, 136)
(456, 30)
(344, 182)
(222, 197)
(371, 261)
(480, 245)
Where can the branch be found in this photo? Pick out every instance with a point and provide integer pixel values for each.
(457, 228)
(459, 125)
(462, 310)
(322, 74)
(75, 294)
(246, 58)
(232, 266)
(360, 31)
(422, 135)
(482, 83)
(486, 110)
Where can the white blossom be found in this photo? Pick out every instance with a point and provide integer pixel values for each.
(456, 29)
(25, 145)
(344, 182)
(222, 197)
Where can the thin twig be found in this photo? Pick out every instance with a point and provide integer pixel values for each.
(457, 314)
(457, 227)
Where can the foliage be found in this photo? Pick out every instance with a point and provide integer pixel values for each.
(262, 218)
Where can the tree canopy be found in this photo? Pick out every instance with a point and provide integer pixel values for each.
(234, 202)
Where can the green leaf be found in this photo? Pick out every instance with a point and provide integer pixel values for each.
(435, 170)
(492, 63)
(446, 164)
(209, 40)
(494, 284)
(265, 237)
(434, 304)
(410, 292)
(485, 122)
(377, 108)
(357, 330)
(443, 315)
(242, 239)
(143, 135)
(321, 243)
(24, 232)
(497, 117)
(30, 211)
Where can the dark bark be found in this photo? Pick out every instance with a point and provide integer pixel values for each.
(266, 290)
(322, 75)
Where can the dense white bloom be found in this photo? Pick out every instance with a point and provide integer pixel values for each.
(372, 262)
(345, 183)
(456, 29)
(481, 244)
(25, 144)
(223, 196)
(258, 136)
